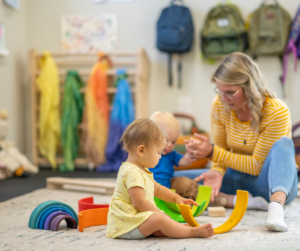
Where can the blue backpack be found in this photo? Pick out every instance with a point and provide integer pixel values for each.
(175, 32)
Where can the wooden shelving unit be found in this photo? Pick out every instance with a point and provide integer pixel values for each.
(136, 64)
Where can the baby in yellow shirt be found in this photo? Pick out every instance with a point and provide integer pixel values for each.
(132, 211)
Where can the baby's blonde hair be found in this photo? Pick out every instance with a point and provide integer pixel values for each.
(165, 118)
(142, 132)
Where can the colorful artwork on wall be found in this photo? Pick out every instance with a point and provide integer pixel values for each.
(84, 34)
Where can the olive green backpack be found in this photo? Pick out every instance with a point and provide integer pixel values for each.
(223, 32)
(269, 29)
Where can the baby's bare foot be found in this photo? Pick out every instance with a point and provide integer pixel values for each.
(203, 231)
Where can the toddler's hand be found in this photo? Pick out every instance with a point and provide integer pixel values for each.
(193, 143)
(188, 158)
(185, 201)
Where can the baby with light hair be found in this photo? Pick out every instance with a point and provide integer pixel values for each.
(164, 170)
(132, 211)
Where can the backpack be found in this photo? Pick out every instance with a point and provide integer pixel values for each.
(223, 32)
(175, 32)
(269, 30)
(293, 45)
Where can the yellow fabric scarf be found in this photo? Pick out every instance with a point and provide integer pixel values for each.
(49, 120)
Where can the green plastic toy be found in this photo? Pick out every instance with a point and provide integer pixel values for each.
(204, 194)
(174, 215)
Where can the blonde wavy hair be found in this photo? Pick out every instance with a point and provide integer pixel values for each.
(240, 70)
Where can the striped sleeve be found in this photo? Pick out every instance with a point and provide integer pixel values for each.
(277, 126)
(218, 134)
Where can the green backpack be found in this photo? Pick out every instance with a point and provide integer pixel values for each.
(269, 30)
(223, 32)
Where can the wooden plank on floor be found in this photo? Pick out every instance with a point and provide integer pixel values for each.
(59, 182)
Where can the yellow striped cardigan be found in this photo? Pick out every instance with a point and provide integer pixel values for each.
(236, 144)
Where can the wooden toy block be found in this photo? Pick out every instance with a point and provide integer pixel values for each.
(216, 211)
(58, 183)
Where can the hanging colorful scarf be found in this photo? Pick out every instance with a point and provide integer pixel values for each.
(49, 121)
(121, 116)
(72, 113)
(97, 112)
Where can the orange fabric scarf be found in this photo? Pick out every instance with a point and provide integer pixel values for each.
(97, 112)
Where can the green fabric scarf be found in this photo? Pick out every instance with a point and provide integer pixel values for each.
(73, 103)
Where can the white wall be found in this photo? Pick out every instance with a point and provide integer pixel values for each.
(13, 73)
(137, 22)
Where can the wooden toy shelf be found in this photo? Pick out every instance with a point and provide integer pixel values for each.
(136, 65)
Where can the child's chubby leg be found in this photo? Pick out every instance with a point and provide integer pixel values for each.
(257, 203)
(160, 222)
(160, 234)
(229, 199)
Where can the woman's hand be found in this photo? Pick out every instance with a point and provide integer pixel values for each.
(189, 202)
(211, 178)
(198, 148)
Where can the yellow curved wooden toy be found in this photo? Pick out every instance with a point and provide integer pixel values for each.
(236, 216)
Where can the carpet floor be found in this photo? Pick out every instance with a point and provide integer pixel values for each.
(249, 234)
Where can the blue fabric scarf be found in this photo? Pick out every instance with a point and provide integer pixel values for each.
(121, 116)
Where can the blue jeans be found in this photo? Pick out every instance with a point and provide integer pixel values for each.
(278, 173)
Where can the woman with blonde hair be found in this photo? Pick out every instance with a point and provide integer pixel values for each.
(252, 149)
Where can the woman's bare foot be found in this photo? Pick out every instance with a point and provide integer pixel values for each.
(203, 231)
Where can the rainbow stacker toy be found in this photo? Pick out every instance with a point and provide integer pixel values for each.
(236, 216)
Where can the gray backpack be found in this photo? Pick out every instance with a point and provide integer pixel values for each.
(269, 29)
